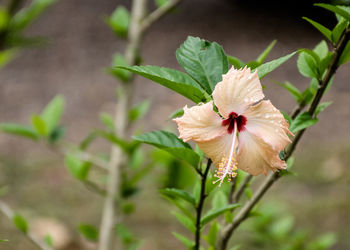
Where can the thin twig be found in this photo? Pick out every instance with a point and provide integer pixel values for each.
(199, 208)
(241, 188)
(273, 177)
(157, 14)
(232, 190)
(9, 213)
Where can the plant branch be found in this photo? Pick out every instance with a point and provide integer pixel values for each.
(273, 177)
(117, 158)
(199, 208)
(241, 188)
(9, 213)
(157, 14)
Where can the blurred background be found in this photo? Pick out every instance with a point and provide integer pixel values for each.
(314, 202)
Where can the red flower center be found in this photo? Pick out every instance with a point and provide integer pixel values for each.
(230, 122)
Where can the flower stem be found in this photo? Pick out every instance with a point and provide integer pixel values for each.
(273, 177)
(199, 208)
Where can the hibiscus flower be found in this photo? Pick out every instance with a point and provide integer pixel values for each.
(247, 132)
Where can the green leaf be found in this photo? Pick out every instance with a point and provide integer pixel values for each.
(293, 90)
(265, 53)
(337, 10)
(107, 120)
(253, 64)
(122, 74)
(338, 30)
(177, 113)
(90, 232)
(219, 200)
(307, 65)
(321, 49)
(186, 221)
(178, 204)
(212, 234)
(4, 18)
(124, 233)
(211, 215)
(48, 240)
(322, 107)
(20, 223)
(52, 113)
(282, 227)
(161, 3)
(302, 121)
(172, 79)
(18, 129)
(345, 56)
(204, 61)
(248, 192)
(170, 143)
(173, 192)
(287, 117)
(323, 242)
(325, 31)
(6, 56)
(268, 67)
(119, 21)
(236, 62)
(187, 242)
(77, 167)
(39, 125)
(139, 110)
(4, 240)
(26, 16)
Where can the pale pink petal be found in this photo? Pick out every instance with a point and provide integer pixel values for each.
(200, 123)
(237, 90)
(267, 122)
(218, 148)
(255, 156)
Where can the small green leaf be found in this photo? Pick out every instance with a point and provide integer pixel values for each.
(77, 167)
(268, 67)
(6, 56)
(179, 205)
(4, 240)
(322, 107)
(187, 242)
(293, 90)
(107, 120)
(219, 200)
(124, 233)
(197, 191)
(90, 232)
(236, 62)
(48, 240)
(321, 49)
(18, 129)
(290, 162)
(204, 61)
(172, 79)
(161, 3)
(186, 221)
(27, 16)
(302, 121)
(338, 30)
(52, 113)
(20, 223)
(177, 113)
(211, 215)
(265, 53)
(323, 242)
(325, 31)
(119, 21)
(345, 56)
(337, 10)
(248, 192)
(170, 143)
(307, 65)
(287, 117)
(212, 234)
(139, 110)
(173, 192)
(122, 74)
(39, 125)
